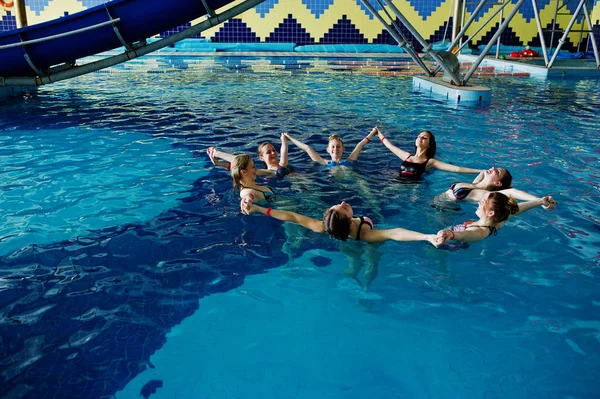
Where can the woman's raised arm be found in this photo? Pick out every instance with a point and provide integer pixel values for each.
(357, 150)
(283, 151)
(308, 149)
(397, 151)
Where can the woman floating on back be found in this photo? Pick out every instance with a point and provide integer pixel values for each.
(335, 149)
(493, 179)
(493, 210)
(340, 222)
(415, 165)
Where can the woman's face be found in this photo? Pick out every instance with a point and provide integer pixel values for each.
(343, 209)
(493, 176)
(269, 155)
(335, 149)
(250, 170)
(482, 208)
(423, 140)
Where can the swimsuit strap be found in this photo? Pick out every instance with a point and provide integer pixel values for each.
(360, 225)
(492, 229)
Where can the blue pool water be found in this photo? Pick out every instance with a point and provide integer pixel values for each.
(126, 268)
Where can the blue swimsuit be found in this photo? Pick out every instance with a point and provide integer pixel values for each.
(345, 162)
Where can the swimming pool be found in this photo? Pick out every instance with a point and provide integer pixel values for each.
(126, 268)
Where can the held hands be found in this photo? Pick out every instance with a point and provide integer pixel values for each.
(548, 202)
(373, 133)
(443, 236)
(247, 204)
(284, 137)
(211, 151)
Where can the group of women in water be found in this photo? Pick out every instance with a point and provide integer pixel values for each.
(491, 189)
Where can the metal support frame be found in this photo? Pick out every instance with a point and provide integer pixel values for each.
(487, 48)
(426, 46)
(397, 35)
(561, 41)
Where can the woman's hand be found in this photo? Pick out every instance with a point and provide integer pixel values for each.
(284, 137)
(373, 133)
(211, 151)
(548, 202)
(443, 236)
(247, 204)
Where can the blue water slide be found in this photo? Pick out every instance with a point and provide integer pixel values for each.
(31, 50)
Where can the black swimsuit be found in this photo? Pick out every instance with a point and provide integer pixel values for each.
(366, 221)
(460, 193)
(412, 169)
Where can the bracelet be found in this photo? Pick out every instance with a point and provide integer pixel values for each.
(228, 165)
(368, 139)
(383, 138)
(453, 235)
(268, 212)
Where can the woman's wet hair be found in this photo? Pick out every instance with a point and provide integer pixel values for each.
(335, 137)
(502, 205)
(239, 163)
(505, 180)
(336, 225)
(430, 152)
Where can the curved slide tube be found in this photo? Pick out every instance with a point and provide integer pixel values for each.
(31, 51)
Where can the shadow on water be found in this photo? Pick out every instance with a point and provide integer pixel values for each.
(93, 309)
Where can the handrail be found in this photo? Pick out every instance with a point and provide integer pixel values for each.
(58, 36)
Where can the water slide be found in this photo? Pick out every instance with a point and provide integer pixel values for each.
(48, 52)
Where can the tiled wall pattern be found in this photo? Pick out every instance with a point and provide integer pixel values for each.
(348, 21)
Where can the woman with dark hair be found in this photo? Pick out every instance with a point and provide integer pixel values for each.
(493, 179)
(493, 210)
(340, 222)
(415, 165)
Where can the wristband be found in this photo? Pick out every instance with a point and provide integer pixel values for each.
(228, 165)
(453, 235)
(368, 139)
(268, 212)
(383, 138)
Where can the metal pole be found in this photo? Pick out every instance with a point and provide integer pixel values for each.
(561, 41)
(498, 42)
(397, 37)
(455, 17)
(540, 30)
(426, 46)
(591, 33)
(491, 43)
(21, 12)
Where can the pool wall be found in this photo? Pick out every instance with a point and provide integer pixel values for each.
(310, 22)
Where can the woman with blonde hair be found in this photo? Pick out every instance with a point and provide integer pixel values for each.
(243, 174)
(335, 149)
